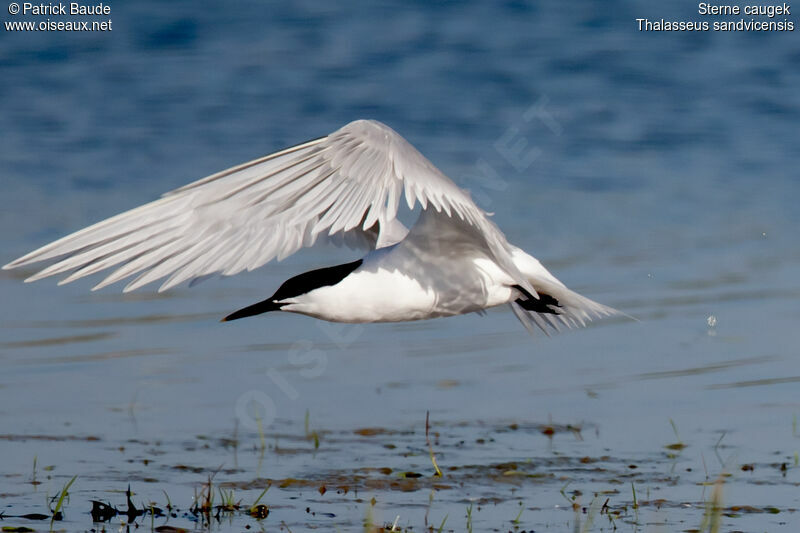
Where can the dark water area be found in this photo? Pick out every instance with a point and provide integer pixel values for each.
(655, 172)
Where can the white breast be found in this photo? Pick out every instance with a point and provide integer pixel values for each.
(377, 295)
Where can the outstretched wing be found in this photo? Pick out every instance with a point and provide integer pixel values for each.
(347, 185)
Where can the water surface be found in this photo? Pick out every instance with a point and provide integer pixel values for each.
(658, 176)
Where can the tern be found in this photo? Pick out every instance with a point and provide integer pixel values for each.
(343, 188)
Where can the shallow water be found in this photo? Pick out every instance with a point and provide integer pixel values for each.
(659, 177)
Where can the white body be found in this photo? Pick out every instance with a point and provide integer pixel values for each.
(379, 291)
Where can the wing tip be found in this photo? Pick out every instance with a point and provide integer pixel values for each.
(23, 260)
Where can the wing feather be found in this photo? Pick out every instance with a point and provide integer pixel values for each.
(346, 184)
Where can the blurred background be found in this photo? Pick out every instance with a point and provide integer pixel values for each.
(655, 172)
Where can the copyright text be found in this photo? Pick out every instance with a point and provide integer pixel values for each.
(59, 16)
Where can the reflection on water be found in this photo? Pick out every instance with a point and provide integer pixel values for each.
(756, 382)
(102, 356)
(714, 367)
(57, 340)
(115, 321)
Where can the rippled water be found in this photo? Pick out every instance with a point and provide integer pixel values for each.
(658, 176)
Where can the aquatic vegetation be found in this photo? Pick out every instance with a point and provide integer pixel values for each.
(360, 475)
(678, 445)
(441, 526)
(56, 512)
(311, 435)
(438, 472)
(259, 510)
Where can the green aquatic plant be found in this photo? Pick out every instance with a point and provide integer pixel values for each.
(260, 510)
(519, 514)
(437, 473)
(516, 520)
(678, 445)
(311, 435)
(262, 494)
(675, 429)
(61, 497)
(169, 502)
(204, 503)
(469, 518)
(227, 500)
(563, 492)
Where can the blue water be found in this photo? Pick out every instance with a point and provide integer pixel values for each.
(654, 172)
